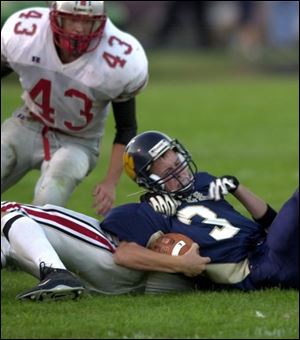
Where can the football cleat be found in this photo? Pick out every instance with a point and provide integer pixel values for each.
(56, 284)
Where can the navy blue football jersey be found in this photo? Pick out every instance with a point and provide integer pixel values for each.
(222, 233)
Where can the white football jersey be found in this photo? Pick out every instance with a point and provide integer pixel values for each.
(74, 97)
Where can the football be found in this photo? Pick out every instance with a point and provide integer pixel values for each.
(172, 244)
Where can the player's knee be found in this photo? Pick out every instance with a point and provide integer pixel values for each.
(8, 159)
(69, 162)
(54, 189)
(60, 177)
(7, 220)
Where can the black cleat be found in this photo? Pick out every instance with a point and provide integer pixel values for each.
(56, 284)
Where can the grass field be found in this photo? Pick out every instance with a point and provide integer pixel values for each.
(234, 122)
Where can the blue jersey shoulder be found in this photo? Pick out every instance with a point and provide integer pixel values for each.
(135, 222)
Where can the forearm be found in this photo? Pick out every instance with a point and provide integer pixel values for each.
(116, 164)
(126, 128)
(255, 205)
(125, 118)
(260, 211)
(134, 256)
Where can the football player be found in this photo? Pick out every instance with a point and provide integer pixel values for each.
(72, 62)
(246, 254)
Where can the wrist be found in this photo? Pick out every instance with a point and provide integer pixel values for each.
(178, 264)
(267, 218)
(235, 182)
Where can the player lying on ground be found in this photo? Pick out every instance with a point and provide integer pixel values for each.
(227, 237)
(51, 241)
(245, 254)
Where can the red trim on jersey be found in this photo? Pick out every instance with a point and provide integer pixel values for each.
(83, 3)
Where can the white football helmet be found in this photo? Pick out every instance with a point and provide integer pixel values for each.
(91, 11)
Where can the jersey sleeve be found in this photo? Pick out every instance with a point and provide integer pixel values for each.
(19, 30)
(137, 80)
(128, 68)
(137, 86)
(4, 63)
(135, 222)
(5, 38)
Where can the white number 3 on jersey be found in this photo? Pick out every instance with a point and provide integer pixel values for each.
(222, 228)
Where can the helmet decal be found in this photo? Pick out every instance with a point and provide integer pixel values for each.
(128, 164)
(160, 148)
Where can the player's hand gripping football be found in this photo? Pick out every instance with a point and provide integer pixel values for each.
(222, 186)
(190, 262)
(193, 263)
(163, 204)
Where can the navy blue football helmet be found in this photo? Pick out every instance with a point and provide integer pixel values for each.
(147, 147)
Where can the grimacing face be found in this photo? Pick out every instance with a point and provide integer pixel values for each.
(165, 165)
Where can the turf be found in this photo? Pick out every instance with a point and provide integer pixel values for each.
(234, 122)
(271, 314)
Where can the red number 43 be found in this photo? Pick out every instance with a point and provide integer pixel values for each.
(113, 60)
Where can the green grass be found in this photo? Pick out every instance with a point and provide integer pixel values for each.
(272, 314)
(234, 122)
